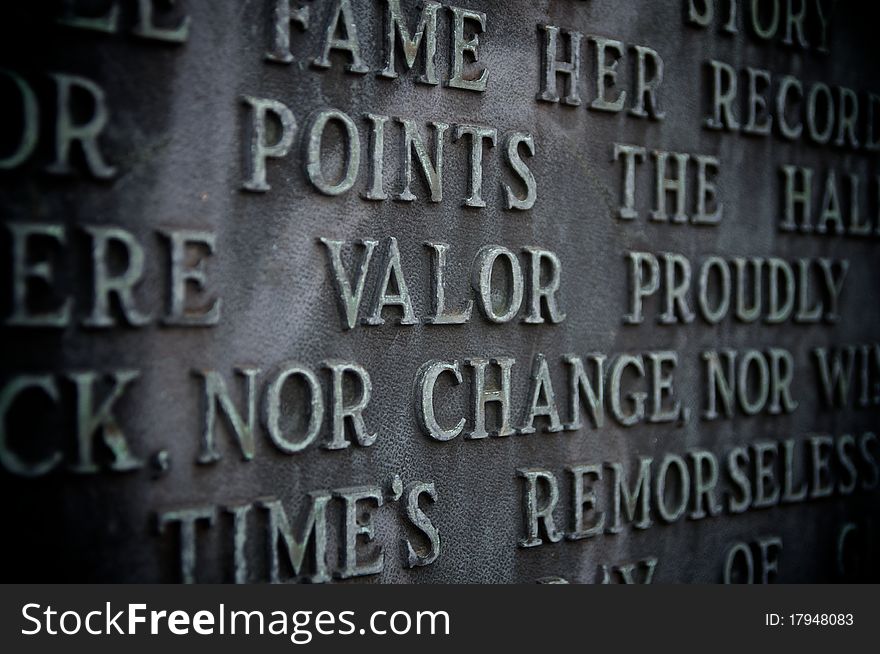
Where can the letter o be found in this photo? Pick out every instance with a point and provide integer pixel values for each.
(77, 621)
(668, 462)
(486, 259)
(273, 409)
(394, 618)
(761, 31)
(315, 170)
(739, 548)
(823, 136)
(715, 315)
(30, 126)
(745, 365)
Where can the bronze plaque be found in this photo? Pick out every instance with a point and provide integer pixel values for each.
(396, 291)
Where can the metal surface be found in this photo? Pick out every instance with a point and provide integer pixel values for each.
(246, 301)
